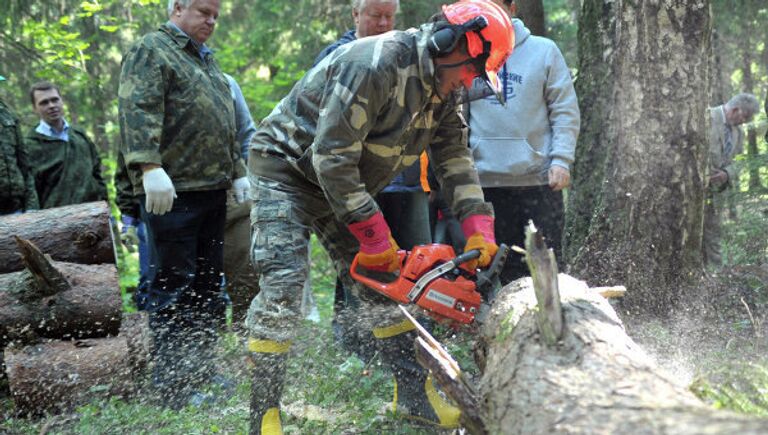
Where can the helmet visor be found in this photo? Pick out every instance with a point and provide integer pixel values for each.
(493, 83)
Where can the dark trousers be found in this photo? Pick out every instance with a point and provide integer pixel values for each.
(513, 208)
(184, 295)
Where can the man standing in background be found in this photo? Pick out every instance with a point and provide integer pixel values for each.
(524, 150)
(17, 185)
(177, 123)
(65, 161)
(726, 139)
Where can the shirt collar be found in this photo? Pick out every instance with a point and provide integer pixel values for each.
(202, 49)
(45, 129)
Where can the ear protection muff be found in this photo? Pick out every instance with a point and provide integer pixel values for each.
(445, 38)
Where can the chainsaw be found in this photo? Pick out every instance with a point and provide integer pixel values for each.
(435, 279)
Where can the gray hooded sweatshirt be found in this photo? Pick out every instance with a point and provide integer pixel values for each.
(515, 145)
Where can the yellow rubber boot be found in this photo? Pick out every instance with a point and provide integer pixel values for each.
(426, 405)
(269, 362)
(415, 394)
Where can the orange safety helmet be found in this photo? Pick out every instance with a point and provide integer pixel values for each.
(491, 43)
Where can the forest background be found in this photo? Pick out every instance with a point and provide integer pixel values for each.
(267, 45)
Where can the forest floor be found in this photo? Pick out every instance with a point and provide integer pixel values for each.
(720, 353)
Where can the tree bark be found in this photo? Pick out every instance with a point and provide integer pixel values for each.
(747, 58)
(86, 304)
(637, 217)
(57, 376)
(75, 233)
(594, 379)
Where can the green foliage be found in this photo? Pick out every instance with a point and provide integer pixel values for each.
(744, 240)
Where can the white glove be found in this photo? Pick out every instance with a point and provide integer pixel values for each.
(160, 191)
(241, 187)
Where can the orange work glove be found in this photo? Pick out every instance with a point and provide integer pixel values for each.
(378, 250)
(478, 229)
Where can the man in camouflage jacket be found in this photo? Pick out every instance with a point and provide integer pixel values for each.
(17, 186)
(355, 120)
(65, 160)
(177, 126)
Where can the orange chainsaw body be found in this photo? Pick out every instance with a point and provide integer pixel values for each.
(451, 296)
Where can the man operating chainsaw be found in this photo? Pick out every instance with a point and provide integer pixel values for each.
(353, 122)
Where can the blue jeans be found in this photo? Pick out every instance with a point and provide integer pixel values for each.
(141, 233)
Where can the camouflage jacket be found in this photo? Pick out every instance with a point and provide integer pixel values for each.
(176, 110)
(358, 118)
(65, 172)
(125, 199)
(17, 187)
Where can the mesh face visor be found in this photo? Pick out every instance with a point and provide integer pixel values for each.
(482, 85)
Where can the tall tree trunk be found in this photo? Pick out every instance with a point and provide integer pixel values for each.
(717, 84)
(597, 26)
(746, 48)
(646, 214)
(532, 14)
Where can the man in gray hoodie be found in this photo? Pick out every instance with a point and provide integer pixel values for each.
(524, 150)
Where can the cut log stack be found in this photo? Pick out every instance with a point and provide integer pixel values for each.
(61, 310)
(555, 358)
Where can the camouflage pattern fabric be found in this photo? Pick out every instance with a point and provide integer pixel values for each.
(17, 187)
(176, 110)
(282, 218)
(361, 116)
(124, 198)
(65, 172)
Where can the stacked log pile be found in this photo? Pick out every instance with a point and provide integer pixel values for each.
(61, 310)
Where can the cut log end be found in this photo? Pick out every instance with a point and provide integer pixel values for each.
(543, 266)
(618, 291)
(48, 279)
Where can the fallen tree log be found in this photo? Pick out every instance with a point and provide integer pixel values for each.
(592, 378)
(58, 300)
(59, 375)
(75, 233)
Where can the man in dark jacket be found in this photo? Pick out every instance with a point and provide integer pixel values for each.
(17, 186)
(65, 161)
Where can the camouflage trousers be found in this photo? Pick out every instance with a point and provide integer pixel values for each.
(282, 219)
